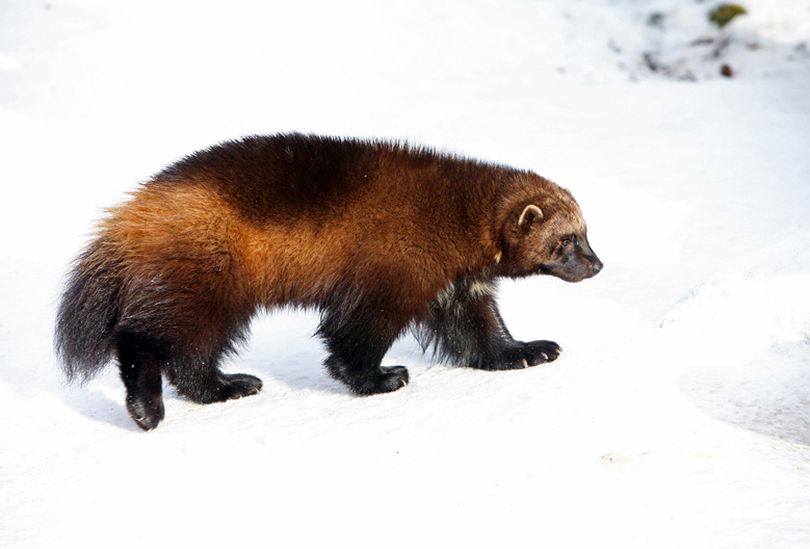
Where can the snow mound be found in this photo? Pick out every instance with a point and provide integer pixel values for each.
(746, 345)
(768, 394)
(730, 318)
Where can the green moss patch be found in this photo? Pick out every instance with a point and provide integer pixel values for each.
(723, 14)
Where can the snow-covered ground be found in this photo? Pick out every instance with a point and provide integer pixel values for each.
(679, 413)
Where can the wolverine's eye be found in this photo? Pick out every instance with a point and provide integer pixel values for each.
(565, 244)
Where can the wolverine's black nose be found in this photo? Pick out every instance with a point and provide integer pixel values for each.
(596, 266)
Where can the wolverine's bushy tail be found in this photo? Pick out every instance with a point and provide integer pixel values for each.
(88, 312)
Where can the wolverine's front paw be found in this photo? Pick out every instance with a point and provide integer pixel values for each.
(522, 355)
(368, 380)
(538, 352)
(387, 380)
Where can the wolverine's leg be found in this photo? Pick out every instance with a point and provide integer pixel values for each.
(357, 344)
(140, 371)
(467, 329)
(200, 379)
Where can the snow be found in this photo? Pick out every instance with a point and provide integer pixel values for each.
(679, 412)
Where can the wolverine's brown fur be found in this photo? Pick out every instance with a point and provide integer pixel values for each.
(372, 233)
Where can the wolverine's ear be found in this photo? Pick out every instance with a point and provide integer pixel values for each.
(530, 214)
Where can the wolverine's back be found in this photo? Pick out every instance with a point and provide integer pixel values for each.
(306, 217)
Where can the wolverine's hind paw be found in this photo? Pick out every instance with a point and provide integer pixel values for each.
(219, 387)
(239, 385)
(146, 412)
(393, 378)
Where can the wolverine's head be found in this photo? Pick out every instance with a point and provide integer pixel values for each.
(543, 233)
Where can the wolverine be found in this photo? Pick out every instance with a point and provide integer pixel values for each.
(378, 236)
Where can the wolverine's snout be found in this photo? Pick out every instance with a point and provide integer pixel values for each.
(589, 263)
(579, 266)
(589, 266)
(596, 265)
